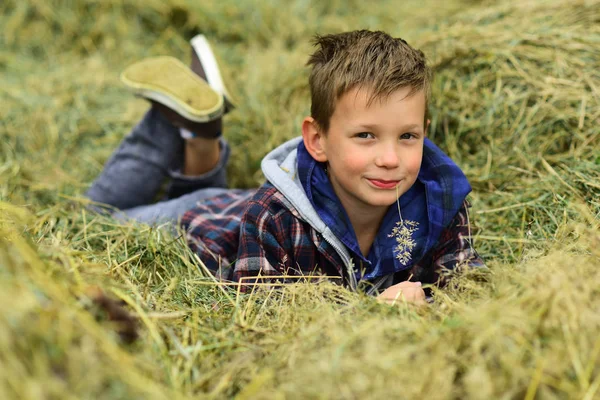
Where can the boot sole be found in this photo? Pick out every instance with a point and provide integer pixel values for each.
(168, 81)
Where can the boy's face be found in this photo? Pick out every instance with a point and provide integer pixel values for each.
(374, 152)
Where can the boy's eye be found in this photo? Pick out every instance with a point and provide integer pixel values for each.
(364, 135)
(407, 136)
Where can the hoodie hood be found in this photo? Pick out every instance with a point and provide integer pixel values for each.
(280, 167)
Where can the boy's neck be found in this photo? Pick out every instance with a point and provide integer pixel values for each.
(366, 223)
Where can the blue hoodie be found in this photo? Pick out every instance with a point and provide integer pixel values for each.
(432, 202)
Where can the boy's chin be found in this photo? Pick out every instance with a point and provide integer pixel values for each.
(383, 201)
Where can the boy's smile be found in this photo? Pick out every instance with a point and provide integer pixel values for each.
(373, 151)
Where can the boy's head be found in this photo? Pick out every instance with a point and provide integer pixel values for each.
(362, 59)
(369, 97)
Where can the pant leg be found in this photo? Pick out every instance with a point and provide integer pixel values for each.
(168, 211)
(187, 192)
(150, 154)
(136, 171)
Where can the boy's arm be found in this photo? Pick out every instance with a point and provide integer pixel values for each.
(262, 246)
(455, 247)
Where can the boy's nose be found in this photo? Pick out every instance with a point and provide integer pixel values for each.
(388, 158)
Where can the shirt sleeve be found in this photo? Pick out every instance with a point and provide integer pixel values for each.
(262, 251)
(454, 250)
(456, 243)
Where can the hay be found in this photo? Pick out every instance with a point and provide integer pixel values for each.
(516, 104)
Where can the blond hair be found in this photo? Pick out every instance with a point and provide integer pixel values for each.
(363, 59)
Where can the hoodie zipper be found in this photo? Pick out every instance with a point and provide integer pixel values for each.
(347, 264)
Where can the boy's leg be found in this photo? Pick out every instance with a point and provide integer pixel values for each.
(138, 168)
(204, 168)
(170, 211)
(153, 152)
(155, 149)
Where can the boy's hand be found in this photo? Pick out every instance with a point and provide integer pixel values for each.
(406, 291)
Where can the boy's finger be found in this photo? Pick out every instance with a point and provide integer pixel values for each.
(409, 283)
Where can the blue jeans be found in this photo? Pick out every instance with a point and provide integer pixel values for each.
(150, 156)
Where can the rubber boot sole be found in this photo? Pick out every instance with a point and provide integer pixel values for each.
(168, 81)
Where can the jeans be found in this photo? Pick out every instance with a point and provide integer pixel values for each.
(149, 156)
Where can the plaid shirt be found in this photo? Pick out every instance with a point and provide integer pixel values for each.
(258, 232)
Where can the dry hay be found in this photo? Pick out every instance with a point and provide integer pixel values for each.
(516, 104)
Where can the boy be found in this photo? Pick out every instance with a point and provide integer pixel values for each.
(362, 195)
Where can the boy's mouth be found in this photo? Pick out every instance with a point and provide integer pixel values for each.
(383, 184)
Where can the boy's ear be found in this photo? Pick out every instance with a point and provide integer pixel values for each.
(427, 127)
(313, 139)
